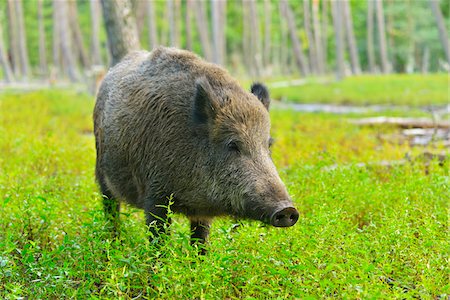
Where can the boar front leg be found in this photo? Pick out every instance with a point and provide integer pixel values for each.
(156, 217)
(200, 230)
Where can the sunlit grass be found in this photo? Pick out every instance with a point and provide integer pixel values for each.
(398, 89)
(364, 232)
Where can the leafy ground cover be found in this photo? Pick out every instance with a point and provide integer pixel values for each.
(396, 89)
(365, 232)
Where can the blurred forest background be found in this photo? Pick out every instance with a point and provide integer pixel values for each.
(56, 40)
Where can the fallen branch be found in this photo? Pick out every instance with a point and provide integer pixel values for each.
(402, 122)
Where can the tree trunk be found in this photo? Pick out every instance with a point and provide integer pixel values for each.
(441, 26)
(218, 30)
(56, 47)
(338, 34)
(13, 38)
(382, 37)
(188, 24)
(311, 45)
(325, 5)
(95, 30)
(4, 62)
(139, 13)
(370, 42)
(202, 25)
(42, 49)
(317, 36)
(300, 59)
(267, 33)
(77, 37)
(354, 57)
(173, 8)
(151, 19)
(23, 51)
(255, 41)
(390, 33)
(120, 28)
(64, 35)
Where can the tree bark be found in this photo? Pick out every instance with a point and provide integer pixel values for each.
(354, 57)
(42, 48)
(317, 36)
(325, 5)
(188, 24)
(23, 51)
(311, 45)
(95, 30)
(4, 62)
(202, 25)
(267, 33)
(300, 59)
(120, 28)
(370, 42)
(151, 20)
(218, 30)
(382, 37)
(441, 26)
(56, 48)
(64, 35)
(77, 37)
(173, 7)
(13, 38)
(338, 34)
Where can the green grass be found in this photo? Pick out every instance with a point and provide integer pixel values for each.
(371, 232)
(415, 90)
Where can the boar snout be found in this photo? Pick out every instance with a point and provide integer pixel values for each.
(284, 217)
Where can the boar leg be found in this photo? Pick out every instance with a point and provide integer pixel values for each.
(200, 230)
(111, 206)
(156, 217)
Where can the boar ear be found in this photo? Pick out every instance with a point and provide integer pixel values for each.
(260, 91)
(205, 105)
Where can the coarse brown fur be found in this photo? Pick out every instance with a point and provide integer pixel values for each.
(168, 123)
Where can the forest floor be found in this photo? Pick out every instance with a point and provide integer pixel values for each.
(367, 229)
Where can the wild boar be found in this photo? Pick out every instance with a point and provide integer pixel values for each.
(169, 124)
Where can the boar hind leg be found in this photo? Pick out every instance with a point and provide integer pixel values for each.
(111, 205)
(156, 217)
(200, 230)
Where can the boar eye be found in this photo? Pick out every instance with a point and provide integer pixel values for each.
(233, 147)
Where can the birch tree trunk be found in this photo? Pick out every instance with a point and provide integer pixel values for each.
(56, 47)
(43, 70)
(77, 37)
(95, 30)
(441, 26)
(267, 33)
(354, 57)
(370, 41)
(311, 45)
(317, 36)
(120, 28)
(325, 5)
(218, 30)
(151, 20)
(23, 51)
(188, 24)
(255, 41)
(202, 25)
(338, 34)
(8, 75)
(13, 38)
(173, 8)
(300, 59)
(382, 37)
(64, 34)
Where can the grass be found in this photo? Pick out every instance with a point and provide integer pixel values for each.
(371, 232)
(398, 89)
